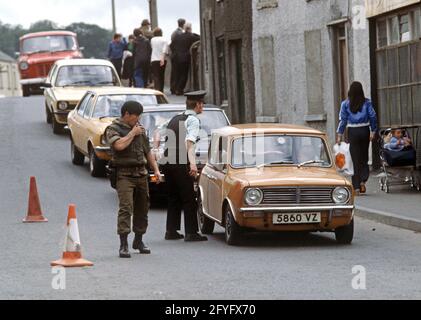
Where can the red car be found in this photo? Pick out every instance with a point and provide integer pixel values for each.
(39, 51)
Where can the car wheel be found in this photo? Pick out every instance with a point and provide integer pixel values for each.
(77, 157)
(26, 92)
(96, 165)
(206, 225)
(344, 235)
(57, 127)
(48, 115)
(233, 232)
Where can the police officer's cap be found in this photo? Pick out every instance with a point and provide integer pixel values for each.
(196, 95)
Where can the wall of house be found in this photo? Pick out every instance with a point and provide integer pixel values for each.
(294, 59)
(227, 30)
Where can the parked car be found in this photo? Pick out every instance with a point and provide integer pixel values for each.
(38, 53)
(68, 82)
(95, 112)
(273, 178)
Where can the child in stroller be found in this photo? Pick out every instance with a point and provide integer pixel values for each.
(397, 152)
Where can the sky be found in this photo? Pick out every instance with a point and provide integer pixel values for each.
(129, 13)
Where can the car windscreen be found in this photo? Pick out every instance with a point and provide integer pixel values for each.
(49, 44)
(87, 75)
(155, 124)
(278, 150)
(110, 106)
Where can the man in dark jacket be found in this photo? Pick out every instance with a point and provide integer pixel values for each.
(180, 48)
(142, 59)
(174, 75)
(115, 52)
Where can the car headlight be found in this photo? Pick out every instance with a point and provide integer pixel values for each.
(62, 105)
(254, 197)
(24, 65)
(340, 195)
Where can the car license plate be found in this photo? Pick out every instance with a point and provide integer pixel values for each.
(297, 218)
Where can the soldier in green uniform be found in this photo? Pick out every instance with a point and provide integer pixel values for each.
(130, 155)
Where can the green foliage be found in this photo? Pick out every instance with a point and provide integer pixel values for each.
(94, 38)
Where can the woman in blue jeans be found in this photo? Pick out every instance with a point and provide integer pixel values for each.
(358, 115)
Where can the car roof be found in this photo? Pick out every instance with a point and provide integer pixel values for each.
(176, 107)
(124, 90)
(84, 62)
(264, 128)
(48, 33)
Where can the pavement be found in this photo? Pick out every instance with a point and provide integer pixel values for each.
(400, 208)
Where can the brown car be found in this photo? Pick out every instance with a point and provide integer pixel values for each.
(273, 178)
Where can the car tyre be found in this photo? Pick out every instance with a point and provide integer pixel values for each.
(345, 234)
(57, 127)
(78, 158)
(26, 92)
(233, 232)
(97, 167)
(206, 225)
(48, 115)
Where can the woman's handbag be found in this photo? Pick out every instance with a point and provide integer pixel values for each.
(343, 159)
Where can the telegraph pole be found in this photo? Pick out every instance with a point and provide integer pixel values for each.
(153, 13)
(113, 14)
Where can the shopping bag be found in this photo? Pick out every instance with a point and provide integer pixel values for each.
(343, 159)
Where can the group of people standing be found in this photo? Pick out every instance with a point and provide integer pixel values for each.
(143, 59)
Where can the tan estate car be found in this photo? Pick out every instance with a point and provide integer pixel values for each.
(68, 82)
(95, 112)
(273, 178)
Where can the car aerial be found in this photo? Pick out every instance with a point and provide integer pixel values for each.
(264, 177)
(95, 112)
(68, 82)
(39, 51)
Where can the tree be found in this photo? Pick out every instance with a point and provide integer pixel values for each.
(94, 38)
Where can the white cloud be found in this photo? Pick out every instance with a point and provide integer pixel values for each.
(129, 13)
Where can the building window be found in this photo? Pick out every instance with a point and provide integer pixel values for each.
(382, 33)
(404, 28)
(417, 24)
(398, 28)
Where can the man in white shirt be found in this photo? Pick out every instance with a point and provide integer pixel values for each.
(160, 50)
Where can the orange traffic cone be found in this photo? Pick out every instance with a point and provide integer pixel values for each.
(72, 255)
(34, 206)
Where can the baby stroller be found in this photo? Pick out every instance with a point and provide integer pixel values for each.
(398, 161)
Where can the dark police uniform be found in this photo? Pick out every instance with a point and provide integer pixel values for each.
(132, 179)
(181, 193)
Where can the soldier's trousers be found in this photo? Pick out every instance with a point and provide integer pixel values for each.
(133, 194)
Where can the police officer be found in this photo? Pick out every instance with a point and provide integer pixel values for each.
(130, 154)
(181, 170)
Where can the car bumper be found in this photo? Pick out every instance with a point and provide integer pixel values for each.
(33, 81)
(261, 219)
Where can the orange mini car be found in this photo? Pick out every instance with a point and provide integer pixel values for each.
(273, 178)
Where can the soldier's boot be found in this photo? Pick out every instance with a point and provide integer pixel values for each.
(139, 245)
(124, 247)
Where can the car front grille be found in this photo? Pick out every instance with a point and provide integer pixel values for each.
(297, 196)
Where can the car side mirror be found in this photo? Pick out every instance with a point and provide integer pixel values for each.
(17, 54)
(46, 85)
